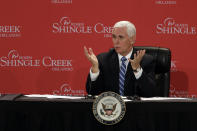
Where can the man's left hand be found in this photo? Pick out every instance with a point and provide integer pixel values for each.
(135, 63)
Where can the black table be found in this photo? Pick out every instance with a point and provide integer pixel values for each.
(18, 112)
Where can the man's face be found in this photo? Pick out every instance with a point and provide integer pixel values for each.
(122, 42)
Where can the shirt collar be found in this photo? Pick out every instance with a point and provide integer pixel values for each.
(127, 56)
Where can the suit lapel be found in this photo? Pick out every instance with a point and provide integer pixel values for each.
(114, 63)
(129, 73)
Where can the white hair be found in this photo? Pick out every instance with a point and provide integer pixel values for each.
(131, 30)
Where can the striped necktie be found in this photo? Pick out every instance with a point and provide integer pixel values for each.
(122, 76)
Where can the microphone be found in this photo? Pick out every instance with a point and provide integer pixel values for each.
(89, 82)
(135, 97)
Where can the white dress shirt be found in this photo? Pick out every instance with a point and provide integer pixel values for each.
(94, 76)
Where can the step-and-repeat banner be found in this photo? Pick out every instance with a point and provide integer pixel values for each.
(42, 41)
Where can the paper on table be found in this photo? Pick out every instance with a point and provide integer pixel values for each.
(158, 99)
(55, 96)
(36, 95)
(66, 97)
(164, 98)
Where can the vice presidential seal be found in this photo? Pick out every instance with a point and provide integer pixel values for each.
(109, 108)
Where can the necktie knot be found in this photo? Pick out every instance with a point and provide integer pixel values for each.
(123, 59)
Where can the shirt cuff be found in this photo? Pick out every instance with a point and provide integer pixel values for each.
(138, 74)
(93, 76)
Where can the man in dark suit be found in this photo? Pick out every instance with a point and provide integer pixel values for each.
(123, 69)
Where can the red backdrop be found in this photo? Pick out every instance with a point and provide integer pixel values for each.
(42, 41)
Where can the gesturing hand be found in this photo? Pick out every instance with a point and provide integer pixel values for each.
(92, 58)
(135, 63)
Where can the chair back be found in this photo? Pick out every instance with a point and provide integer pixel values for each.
(162, 59)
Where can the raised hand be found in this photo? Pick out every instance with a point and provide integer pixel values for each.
(92, 58)
(135, 63)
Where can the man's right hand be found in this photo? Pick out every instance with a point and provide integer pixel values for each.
(92, 58)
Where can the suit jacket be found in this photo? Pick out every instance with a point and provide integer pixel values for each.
(108, 79)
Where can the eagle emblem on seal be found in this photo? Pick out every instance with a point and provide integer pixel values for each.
(108, 109)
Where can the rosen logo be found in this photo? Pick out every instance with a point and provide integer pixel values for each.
(170, 26)
(165, 2)
(66, 26)
(61, 1)
(13, 54)
(66, 89)
(65, 21)
(10, 31)
(15, 60)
